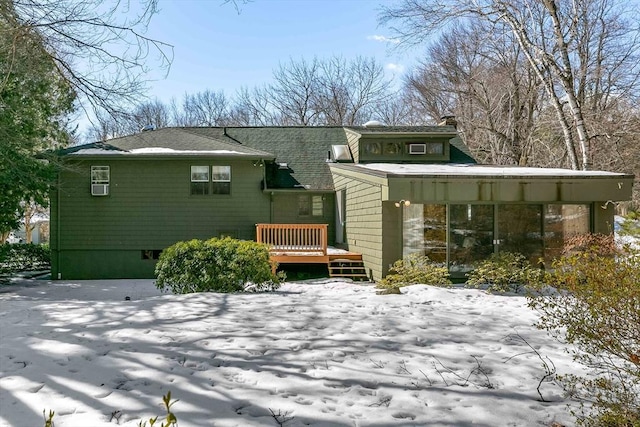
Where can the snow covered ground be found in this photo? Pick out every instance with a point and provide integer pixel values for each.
(319, 353)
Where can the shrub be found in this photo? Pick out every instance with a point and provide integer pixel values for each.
(504, 272)
(415, 269)
(631, 225)
(596, 309)
(218, 265)
(601, 244)
(24, 257)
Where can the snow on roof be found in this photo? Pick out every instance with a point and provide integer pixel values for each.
(152, 150)
(479, 170)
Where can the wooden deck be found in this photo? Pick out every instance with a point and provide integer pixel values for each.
(307, 244)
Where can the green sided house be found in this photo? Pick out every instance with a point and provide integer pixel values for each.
(376, 193)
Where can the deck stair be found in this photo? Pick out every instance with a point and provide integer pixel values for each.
(347, 268)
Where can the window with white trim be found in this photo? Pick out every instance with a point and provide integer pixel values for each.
(220, 179)
(100, 176)
(199, 180)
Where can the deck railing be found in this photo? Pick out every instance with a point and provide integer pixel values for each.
(293, 237)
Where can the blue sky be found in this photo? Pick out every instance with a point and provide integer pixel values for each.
(217, 48)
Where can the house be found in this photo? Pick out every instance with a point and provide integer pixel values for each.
(383, 192)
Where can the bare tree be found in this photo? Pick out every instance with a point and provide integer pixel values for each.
(206, 108)
(347, 91)
(480, 77)
(294, 92)
(565, 43)
(99, 47)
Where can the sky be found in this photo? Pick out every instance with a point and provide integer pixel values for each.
(217, 47)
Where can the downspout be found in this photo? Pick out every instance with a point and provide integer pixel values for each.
(264, 179)
(59, 273)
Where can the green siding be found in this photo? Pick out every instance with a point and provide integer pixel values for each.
(285, 211)
(149, 206)
(363, 222)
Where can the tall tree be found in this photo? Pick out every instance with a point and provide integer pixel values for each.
(34, 100)
(482, 78)
(578, 50)
(99, 47)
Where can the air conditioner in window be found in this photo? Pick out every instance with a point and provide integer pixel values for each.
(99, 189)
(417, 148)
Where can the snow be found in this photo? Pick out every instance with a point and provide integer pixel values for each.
(322, 353)
(151, 150)
(480, 170)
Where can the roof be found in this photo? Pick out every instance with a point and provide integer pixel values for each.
(302, 148)
(167, 142)
(468, 170)
(300, 152)
(474, 170)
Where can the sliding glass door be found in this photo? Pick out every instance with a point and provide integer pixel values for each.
(463, 234)
(519, 229)
(471, 229)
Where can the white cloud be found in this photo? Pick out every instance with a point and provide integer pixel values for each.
(383, 39)
(394, 68)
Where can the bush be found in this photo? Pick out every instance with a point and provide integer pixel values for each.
(596, 308)
(415, 269)
(504, 272)
(215, 265)
(24, 257)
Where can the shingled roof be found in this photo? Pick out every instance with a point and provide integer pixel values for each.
(300, 152)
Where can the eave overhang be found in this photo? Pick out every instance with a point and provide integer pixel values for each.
(478, 184)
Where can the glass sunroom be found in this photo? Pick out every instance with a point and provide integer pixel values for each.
(460, 235)
(459, 214)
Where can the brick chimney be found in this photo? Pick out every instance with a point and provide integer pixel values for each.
(448, 121)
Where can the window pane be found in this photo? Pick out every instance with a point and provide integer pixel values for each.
(221, 173)
(199, 188)
(304, 206)
(316, 207)
(561, 223)
(470, 235)
(435, 148)
(221, 188)
(520, 230)
(99, 174)
(199, 173)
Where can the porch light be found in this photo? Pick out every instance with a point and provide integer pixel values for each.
(403, 203)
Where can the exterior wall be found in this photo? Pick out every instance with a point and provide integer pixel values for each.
(603, 217)
(284, 210)
(352, 140)
(504, 190)
(149, 207)
(364, 229)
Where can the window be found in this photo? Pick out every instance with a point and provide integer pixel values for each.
(435, 148)
(100, 176)
(310, 205)
(221, 179)
(153, 254)
(200, 180)
(316, 206)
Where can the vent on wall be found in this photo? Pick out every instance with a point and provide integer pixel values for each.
(99, 189)
(417, 148)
